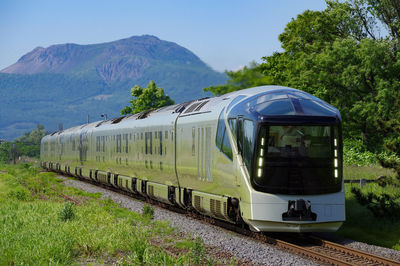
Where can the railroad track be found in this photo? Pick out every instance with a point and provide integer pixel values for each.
(329, 252)
(308, 246)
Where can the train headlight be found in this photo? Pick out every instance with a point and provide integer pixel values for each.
(260, 162)
(259, 172)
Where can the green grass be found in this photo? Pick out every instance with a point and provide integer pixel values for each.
(38, 227)
(362, 225)
(366, 172)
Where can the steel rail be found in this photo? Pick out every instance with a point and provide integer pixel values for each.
(355, 252)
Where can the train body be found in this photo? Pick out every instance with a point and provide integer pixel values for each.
(270, 157)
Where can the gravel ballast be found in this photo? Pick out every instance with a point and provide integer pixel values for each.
(240, 247)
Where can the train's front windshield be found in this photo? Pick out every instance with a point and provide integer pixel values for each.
(297, 159)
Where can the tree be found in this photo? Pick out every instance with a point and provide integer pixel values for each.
(33, 137)
(338, 55)
(148, 98)
(26, 145)
(246, 77)
(348, 55)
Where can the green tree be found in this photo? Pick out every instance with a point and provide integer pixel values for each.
(33, 137)
(338, 55)
(247, 77)
(148, 98)
(4, 152)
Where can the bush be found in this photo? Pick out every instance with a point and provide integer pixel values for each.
(148, 211)
(198, 251)
(67, 213)
(390, 161)
(380, 204)
(356, 153)
(20, 193)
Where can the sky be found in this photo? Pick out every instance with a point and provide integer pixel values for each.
(225, 34)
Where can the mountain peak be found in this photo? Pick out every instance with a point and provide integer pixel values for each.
(117, 60)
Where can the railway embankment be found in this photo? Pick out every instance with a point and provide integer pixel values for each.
(51, 218)
(45, 222)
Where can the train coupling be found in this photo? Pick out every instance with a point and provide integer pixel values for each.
(299, 210)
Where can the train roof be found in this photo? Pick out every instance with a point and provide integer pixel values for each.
(253, 97)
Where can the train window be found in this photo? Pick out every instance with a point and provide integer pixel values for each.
(155, 133)
(145, 140)
(103, 138)
(226, 145)
(119, 143)
(277, 107)
(233, 125)
(237, 99)
(220, 129)
(126, 143)
(160, 134)
(166, 134)
(222, 139)
(141, 136)
(315, 108)
(97, 143)
(298, 159)
(151, 142)
(272, 97)
(172, 136)
(193, 141)
(248, 141)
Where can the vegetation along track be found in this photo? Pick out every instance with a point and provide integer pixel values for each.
(308, 246)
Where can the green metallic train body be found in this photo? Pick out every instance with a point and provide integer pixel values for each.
(207, 155)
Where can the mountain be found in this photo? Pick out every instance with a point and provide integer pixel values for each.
(65, 83)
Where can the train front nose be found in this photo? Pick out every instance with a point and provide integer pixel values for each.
(295, 163)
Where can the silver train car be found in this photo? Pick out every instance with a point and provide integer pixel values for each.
(269, 157)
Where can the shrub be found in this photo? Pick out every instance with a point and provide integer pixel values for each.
(198, 251)
(67, 212)
(20, 193)
(381, 205)
(148, 211)
(356, 153)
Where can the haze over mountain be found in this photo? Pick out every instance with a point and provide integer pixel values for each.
(66, 82)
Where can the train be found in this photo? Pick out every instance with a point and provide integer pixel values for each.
(267, 157)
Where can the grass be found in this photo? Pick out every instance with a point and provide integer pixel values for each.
(38, 227)
(361, 224)
(366, 172)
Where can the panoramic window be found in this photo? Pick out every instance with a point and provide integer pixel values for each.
(277, 107)
(222, 139)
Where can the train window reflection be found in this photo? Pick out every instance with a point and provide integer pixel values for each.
(277, 107)
(233, 126)
(226, 145)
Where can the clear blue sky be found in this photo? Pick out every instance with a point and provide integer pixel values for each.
(226, 34)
